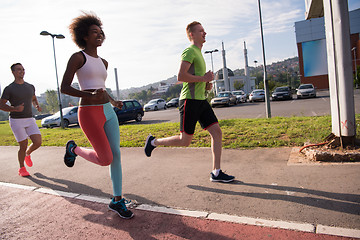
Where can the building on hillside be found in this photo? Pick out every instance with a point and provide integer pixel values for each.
(311, 45)
(163, 88)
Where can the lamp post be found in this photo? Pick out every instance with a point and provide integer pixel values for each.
(255, 61)
(59, 36)
(266, 83)
(356, 74)
(211, 51)
(212, 64)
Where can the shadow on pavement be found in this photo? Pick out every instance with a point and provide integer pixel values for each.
(145, 224)
(151, 225)
(66, 185)
(345, 203)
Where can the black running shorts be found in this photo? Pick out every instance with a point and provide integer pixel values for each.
(192, 111)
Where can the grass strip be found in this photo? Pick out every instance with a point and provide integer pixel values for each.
(237, 133)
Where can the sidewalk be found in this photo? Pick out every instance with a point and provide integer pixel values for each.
(44, 216)
(267, 191)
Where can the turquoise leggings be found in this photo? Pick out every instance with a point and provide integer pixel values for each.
(101, 127)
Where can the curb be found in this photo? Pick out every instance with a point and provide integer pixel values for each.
(296, 226)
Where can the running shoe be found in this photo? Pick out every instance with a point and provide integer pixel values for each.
(28, 161)
(148, 146)
(69, 158)
(120, 208)
(23, 172)
(222, 177)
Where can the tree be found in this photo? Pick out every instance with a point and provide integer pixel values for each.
(173, 91)
(357, 83)
(238, 85)
(52, 101)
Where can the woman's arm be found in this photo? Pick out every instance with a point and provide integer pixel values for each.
(75, 62)
(115, 103)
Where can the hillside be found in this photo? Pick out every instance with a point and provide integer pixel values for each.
(288, 68)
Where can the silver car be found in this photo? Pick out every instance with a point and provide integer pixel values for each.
(224, 98)
(257, 95)
(240, 96)
(69, 115)
(306, 91)
(155, 105)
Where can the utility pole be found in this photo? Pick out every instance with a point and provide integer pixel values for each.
(266, 83)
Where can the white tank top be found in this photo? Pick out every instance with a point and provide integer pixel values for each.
(92, 74)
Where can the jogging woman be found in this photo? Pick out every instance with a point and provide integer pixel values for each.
(96, 116)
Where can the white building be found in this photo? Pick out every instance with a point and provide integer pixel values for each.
(163, 88)
(220, 86)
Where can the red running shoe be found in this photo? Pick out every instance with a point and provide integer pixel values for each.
(28, 161)
(23, 172)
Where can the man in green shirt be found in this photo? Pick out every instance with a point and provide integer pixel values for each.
(193, 104)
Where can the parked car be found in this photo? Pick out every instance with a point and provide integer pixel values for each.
(69, 115)
(281, 93)
(41, 116)
(240, 96)
(173, 103)
(155, 105)
(131, 110)
(305, 91)
(223, 98)
(257, 95)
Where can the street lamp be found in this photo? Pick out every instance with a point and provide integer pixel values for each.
(212, 64)
(266, 82)
(211, 51)
(356, 75)
(59, 36)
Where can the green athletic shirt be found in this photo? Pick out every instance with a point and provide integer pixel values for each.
(196, 90)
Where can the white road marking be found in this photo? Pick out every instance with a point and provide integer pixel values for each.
(303, 227)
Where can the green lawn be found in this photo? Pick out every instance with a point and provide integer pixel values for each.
(237, 133)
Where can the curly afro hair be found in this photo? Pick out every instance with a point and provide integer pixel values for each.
(79, 27)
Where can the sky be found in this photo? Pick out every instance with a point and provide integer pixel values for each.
(144, 38)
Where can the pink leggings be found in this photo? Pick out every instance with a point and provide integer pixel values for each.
(101, 127)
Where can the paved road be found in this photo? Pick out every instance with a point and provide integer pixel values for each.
(266, 187)
(298, 107)
(43, 216)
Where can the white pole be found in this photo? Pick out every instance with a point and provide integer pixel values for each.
(225, 71)
(337, 28)
(266, 82)
(247, 74)
(117, 85)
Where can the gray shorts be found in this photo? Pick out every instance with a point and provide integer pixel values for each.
(23, 128)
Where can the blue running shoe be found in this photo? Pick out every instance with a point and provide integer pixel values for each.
(120, 208)
(69, 158)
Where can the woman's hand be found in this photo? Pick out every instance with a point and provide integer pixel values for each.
(98, 94)
(118, 104)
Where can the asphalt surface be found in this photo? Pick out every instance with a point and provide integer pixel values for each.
(266, 188)
(318, 106)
